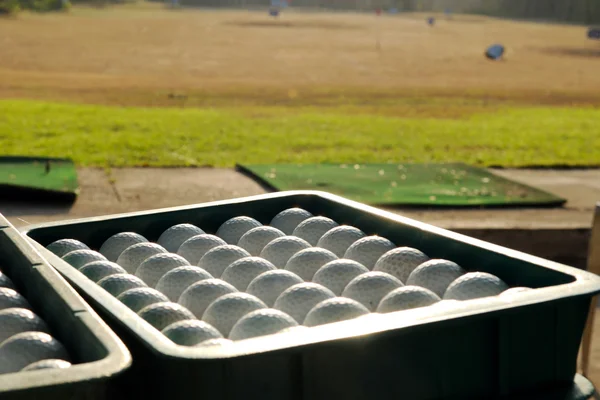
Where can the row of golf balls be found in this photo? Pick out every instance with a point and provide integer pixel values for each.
(220, 303)
(25, 342)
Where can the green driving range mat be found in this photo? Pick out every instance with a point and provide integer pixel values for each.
(452, 185)
(51, 177)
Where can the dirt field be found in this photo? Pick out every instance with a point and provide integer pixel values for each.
(146, 55)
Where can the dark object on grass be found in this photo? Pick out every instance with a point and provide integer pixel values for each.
(274, 12)
(594, 33)
(495, 52)
(431, 21)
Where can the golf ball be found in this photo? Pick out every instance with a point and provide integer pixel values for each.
(241, 272)
(233, 229)
(96, 270)
(65, 246)
(51, 363)
(9, 298)
(161, 315)
(337, 240)
(280, 250)
(407, 297)
(308, 261)
(334, 310)
(312, 229)
(116, 244)
(368, 289)
(269, 285)
(256, 239)
(174, 237)
(138, 298)
(261, 323)
(368, 250)
(78, 258)
(131, 258)
(190, 332)
(298, 300)
(18, 320)
(218, 258)
(475, 285)
(118, 283)
(287, 220)
(200, 294)
(151, 270)
(195, 247)
(225, 311)
(400, 262)
(435, 275)
(174, 282)
(25, 348)
(337, 274)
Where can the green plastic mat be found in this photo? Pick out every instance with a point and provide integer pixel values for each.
(443, 185)
(39, 177)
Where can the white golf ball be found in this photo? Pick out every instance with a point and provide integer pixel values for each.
(269, 285)
(78, 258)
(174, 282)
(287, 220)
(200, 294)
(18, 320)
(138, 298)
(256, 239)
(131, 258)
(298, 300)
(475, 285)
(197, 246)
(337, 274)
(9, 298)
(191, 332)
(400, 262)
(368, 289)
(368, 250)
(116, 244)
(118, 283)
(337, 240)
(96, 270)
(218, 258)
(25, 348)
(334, 310)
(151, 270)
(435, 275)
(312, 229)
(261, 323)
(6, 282)
(241, 272)
(225, 311)
(174, 237)
(63, 246)
(51, 363)
(515, 290)
(280, 250)
(233, 229)
(308, 261)
(407, 297)
(161, 315)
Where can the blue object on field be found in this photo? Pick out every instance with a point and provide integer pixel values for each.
(393, 11)
(431, 21)
(594, 33)
(495, 52)
(274, 12)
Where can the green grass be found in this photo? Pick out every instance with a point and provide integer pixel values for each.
(111, 136)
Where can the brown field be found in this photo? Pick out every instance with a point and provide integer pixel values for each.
(147, 55)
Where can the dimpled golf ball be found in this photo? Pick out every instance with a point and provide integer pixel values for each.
(337, 274)
(400, 262)
(334, 310)
(287, 220)
(256, 239)
(161, 315)
(137, 298)
(241, 272)
(200, 294)
(25, 348)
(368, 250)
(475, 285)
(368, 289)
(116, 244)
(269, 285)
(131, 258)
(190, 332)
(225, 311)
(312, 229)
(6, 282)
(298, 300)
(18, 320)
(218, 258)
(78, 258)
(280, 250)
(174, 282)
(174, 237)
(151, 270)
(9, 298)
(118, 283)
(197, 246)
(64, 246)
(435, 275)
(218, 342)
(515, 290)
(308, 261)
(97, 270)
(337, 240)
(233, 229)
(51, 363)
(261, 323)
(407, 297)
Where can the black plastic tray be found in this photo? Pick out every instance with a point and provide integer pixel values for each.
(495, 348)
(97, 353)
